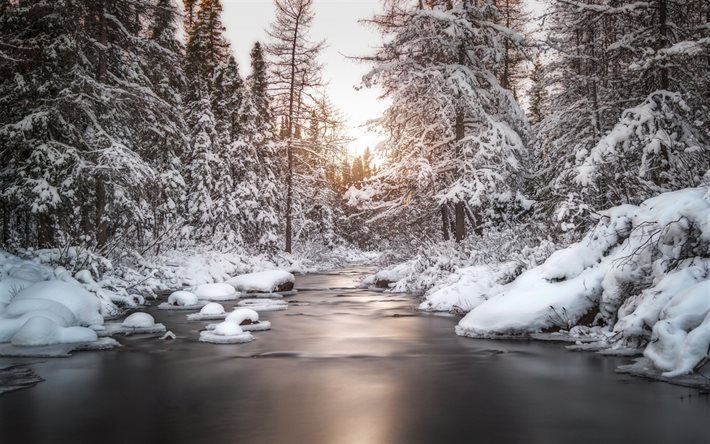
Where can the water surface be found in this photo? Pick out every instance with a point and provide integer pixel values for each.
(344, 365)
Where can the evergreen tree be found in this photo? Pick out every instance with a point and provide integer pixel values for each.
(464, 152)
(77, 156)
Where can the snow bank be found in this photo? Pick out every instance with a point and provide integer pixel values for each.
(270, 281)
(474, 286)
(389, 276)
(643, 271)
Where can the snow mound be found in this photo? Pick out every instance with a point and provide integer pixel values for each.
(182, 298)
(139, 320)
(136, 323)
(209, 312)
(47, 313)
(240, 315)
(260, 305)
(216, 292)
(226, 333)
(39, 331)
(643, 272)
(270, 281)
(84, 305)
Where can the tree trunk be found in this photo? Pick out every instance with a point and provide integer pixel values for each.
(459, 210)
(445, 223)
(460, 221)
(289, 145)
(663, 40)
(45, 234)
(99, 223)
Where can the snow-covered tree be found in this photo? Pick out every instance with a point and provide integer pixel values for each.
(455, 134)
(628, 104)
(78, 154)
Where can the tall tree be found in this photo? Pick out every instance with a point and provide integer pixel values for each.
(463, 153)
(295, 71)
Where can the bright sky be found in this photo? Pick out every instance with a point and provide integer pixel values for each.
(336, 22)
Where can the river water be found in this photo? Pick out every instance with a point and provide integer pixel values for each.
(345, 365)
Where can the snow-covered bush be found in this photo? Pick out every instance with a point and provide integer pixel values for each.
(505, 252)
(643, 271)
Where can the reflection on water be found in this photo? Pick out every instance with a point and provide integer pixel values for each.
(348, 366)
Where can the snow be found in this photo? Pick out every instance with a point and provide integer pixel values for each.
(472, 289)
(240, 315)
(135, 323)
(261, 282)
(85, 306)
(40, 331)
(182, 298)
(226, 333)
(216, 292)
(260, 305)
(139, 320)
(644, 268)
(209, 312)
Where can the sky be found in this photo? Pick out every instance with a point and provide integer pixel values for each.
(336, 21)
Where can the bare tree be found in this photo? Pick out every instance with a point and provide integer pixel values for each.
(295, 73)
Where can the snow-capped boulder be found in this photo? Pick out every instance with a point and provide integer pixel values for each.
(226, 333)
(271, 281)
(216, 292)
(209, 312)
(183, 298)
(139, 320)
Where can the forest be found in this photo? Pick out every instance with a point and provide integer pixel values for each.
(543, 170)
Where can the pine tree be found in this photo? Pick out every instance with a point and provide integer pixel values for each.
(537, 93)
(614, 70)
(86, 106)
(465, 150)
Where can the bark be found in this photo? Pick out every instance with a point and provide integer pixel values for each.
(445, 222)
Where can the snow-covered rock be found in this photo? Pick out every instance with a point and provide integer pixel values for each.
(182, 300)
(139, 320)
(136, 323)
(270, 281)
(209, 312)
(226, 333)
(216, 292)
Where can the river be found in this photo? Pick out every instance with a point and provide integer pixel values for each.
(346, 366)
